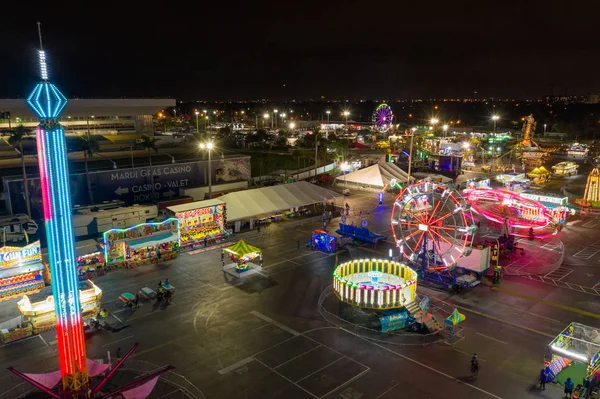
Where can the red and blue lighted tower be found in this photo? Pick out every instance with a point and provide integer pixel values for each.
(47, 102)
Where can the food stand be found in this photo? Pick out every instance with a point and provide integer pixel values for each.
(41, 315)
(200, 221)
(578, 150)
(242, 255)
(575, 353)
(321, 240)
(143, 244)
(563, 169)
(21, 270)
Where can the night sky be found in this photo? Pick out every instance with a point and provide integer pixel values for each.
(229, 50)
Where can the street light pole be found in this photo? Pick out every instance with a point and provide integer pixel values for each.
(208, 146)
(197, 128)
(495, 119)
(316, 152)
(274, 116)
(410, 151)
(328, 112)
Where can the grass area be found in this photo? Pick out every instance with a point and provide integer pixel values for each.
(264, 162)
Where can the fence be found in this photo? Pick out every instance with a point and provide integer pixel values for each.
(299, 174)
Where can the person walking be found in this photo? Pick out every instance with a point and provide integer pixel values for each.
(118, 353)
(543, 379)
(298, 246)
(474, 366)
(569, 385)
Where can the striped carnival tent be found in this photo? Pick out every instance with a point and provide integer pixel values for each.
(241, 249)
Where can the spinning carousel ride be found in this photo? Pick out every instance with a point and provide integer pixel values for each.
(432, 224)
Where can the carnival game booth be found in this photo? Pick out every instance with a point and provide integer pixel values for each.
(565, 169)
(242, 256)
(321, 240)
(201, 222)
(575, 353)
(42, 317)
(21, 270)
(143, 244)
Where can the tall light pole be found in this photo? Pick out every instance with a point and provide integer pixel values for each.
(283, 115)
(346, 113)
(274, 117)
(410, 150)
(495, 119)
(544, 128)
(328, 112)
(197, 128)
(445, 129)
(208, 147)
(434, 122)
(265, 117)
(316, 152)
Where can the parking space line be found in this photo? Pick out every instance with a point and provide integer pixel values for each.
(324, 367)
(428, 367)
(492, 338)
(275, 323)
(236, 365)
(586, 253)
(296, 357)
(357, 376)
(287, 379)
(388, 390)
(43, 340)
(119, 340)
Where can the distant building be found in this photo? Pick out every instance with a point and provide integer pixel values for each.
(101, 114)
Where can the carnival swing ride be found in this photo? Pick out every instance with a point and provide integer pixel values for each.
(432, 226)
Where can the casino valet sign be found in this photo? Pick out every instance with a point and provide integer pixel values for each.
(10, 256)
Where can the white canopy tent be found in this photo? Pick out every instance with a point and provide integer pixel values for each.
(268, 200)
(376, 176)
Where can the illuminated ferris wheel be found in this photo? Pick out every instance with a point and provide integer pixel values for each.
(432, 223)
(383, 117)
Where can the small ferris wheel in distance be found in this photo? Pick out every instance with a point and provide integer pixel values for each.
(432, 224)
(383, 117)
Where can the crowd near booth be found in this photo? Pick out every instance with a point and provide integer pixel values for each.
(243, 257)
(575, 354)
(143, 244)
(201, 222)
(321, 240)
(21, 270)
(90, 259)
(564, 169)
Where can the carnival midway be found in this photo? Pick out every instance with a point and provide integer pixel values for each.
(447, 233)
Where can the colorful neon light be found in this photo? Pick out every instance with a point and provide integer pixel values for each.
(47, 102)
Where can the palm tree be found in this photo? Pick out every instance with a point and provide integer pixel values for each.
(17, 135)
(149, 143)
(88, 145)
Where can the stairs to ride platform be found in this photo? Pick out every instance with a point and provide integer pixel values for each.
(429, 319)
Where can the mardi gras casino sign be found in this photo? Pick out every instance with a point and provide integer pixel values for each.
(10, 256)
